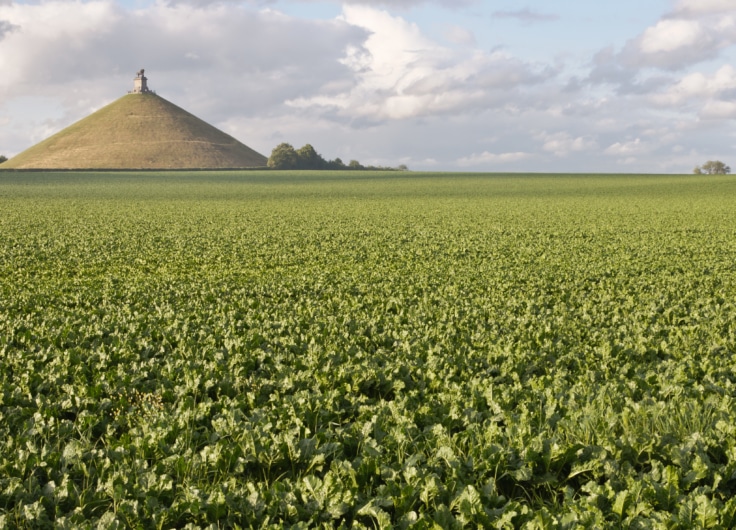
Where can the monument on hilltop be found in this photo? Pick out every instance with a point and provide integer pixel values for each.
(140, 130)
(140, 83)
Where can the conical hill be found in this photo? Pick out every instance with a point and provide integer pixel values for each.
(138, 131)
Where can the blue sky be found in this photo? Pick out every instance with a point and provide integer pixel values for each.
(460, 85)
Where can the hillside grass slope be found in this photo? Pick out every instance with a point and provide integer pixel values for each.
(138, 131)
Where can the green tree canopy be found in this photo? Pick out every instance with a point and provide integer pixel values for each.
(3, 158)
(712, 167)
(283, 156)
(308, 158)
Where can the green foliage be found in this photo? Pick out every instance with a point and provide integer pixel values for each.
(308, 158)
(325, 350)
(3, 158)
(283, 156)
(712, 167)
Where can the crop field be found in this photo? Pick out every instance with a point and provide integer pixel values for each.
(367, 350)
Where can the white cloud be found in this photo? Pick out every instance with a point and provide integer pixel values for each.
(561, 144)
(44, 29)
(66, 42)
(711, 96)
(719, 110)
(685, 45)
(698, 85)
(215, 61)
(697, 31)
(485, 159)
(670, 35)
(627, 149)
(402, 74)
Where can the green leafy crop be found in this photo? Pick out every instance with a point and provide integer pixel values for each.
(323, 350)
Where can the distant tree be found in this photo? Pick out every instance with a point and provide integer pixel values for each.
(308, 158)
(403, 167)
(336, 164)
(283, 156)
(354, 164)
(3, 158)
(712, 167)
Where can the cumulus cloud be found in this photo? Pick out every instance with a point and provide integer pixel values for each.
(627, 148)
(709, 96)
(695, 32)
(700, 87)
(672, 35)
(718, 110)
(402, 74)
(562, 144)
(91, 46)
(677, 43)
(42, 30)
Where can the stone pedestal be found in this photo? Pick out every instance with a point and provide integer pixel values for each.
(140, 83)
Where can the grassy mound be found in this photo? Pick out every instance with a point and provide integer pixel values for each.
(138, 131)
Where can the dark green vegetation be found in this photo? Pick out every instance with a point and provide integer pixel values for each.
(274, 349)
(284, 156)
(138, 131)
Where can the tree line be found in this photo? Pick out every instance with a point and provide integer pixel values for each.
(284, 156)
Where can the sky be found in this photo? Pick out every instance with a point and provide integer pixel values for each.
(633, 86)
